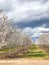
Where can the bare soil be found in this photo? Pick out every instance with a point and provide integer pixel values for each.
(24, 62)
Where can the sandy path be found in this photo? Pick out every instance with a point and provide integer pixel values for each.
(24, 62)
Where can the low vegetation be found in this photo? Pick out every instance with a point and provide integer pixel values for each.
(33, 52)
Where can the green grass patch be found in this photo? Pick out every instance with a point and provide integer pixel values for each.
(33, 51)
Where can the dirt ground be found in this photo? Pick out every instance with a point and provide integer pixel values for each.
(24, 62)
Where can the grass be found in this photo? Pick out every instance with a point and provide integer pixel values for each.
(4, 50)
(7, 50)
(34, 51)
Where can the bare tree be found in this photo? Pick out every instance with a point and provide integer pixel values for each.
(44, 39)
(10, 37)
(4, 28)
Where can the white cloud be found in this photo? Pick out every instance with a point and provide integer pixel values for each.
(35, 32)
(2, 1)
(26, 9)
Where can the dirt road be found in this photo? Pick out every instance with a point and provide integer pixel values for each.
(24, 62)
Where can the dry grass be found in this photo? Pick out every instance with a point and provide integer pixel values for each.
(24, 62)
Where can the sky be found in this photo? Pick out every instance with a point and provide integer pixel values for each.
(32, 16)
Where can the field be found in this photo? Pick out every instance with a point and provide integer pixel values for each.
(31, 52)
(24, 62)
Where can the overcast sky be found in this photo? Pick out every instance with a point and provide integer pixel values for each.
(31, 15)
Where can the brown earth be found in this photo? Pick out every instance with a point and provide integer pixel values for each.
(24, 62)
